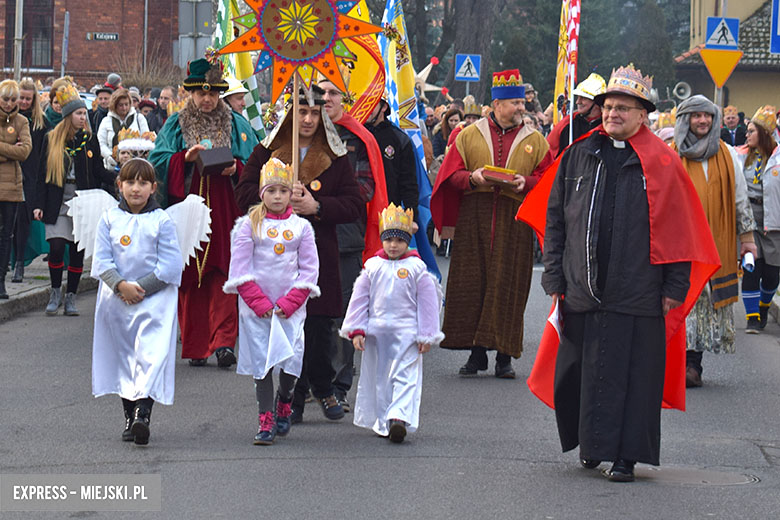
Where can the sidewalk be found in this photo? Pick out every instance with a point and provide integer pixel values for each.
(33, 293)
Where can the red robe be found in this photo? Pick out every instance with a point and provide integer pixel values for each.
(679, 232)
(379, 201)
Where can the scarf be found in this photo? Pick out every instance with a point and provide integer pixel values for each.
(689, 145)
(196, 125)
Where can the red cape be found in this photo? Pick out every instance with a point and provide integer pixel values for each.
(679, 232)
(379, 201)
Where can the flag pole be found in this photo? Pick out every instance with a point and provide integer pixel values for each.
(571, 103)
(296, 153)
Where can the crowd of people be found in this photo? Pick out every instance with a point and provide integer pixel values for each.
(304, 268)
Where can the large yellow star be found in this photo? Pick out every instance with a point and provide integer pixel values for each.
(298, 23)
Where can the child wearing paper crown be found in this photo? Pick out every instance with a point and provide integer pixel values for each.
(274, 268)
(393, 318)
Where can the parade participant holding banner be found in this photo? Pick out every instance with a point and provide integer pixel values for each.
(492, 259)
(203, 128)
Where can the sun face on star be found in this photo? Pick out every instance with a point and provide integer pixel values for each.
(299, 36)
(298, 23)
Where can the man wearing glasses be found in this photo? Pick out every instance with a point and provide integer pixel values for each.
(717, 175)
(618, 264)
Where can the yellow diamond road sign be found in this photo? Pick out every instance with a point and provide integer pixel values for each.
(720, 64)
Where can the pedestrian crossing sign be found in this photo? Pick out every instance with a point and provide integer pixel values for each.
(722, 33)
(467, 67)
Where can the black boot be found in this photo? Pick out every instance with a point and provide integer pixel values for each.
(18, 272)
(129, 407)
(3, 293)
(140, 426)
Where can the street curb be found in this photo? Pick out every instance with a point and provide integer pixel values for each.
(774, 309)
(36, 298)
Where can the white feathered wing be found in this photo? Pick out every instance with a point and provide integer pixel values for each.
(193, 225)
(85, 209)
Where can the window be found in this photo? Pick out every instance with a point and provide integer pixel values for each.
(38, 33)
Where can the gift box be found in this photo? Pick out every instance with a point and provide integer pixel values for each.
(213, 161)
(500, 175)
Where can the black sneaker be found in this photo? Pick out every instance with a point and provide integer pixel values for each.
(331, 408)
(397, 431)
(225, 357)
(763, 315)
(296, 415)
(753, 325)
(344, 404)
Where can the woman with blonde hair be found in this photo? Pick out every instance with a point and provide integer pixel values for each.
(121, 116)
(70, 161)
(15, 146)
(29, 107)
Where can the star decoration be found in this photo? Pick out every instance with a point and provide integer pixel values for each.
(298, 23)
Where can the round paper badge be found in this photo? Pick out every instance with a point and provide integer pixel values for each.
(89, 154)
(11, 130)
(243, 136)
(529, 148)
(207, 142)
(125, 240)
(272, 233)
(775, 173)
(288, 234)
(279, 249)
(315, 185)
(402, 273)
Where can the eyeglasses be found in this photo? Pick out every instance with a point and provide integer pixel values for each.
(620, 109)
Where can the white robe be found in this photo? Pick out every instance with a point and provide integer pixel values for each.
(134, 346)
(396, 304)
(266, 343)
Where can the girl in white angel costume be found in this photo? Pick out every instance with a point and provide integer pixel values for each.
(274, 268)
(393, 317)
(139, 263)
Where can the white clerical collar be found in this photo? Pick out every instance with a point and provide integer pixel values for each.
(618, 144)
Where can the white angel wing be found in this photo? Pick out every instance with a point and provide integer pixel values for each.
(193, 225)
(86, 208)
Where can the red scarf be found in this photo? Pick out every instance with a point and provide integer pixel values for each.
(678, 233)
(379, 201)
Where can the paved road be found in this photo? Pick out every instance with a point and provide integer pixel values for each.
(486, 448)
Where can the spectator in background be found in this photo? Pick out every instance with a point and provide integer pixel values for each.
(450, 120)
(733, 132)
(121, 116)
(159, 115)
(145, 107)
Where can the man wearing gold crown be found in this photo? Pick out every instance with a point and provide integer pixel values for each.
(327, 194)
(208, 317)
(733, 131)
(625, 245)
(586, 118)
(492, 260)
(717, 174)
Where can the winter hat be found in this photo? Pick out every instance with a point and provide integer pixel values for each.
(69, 99)
(113, 81)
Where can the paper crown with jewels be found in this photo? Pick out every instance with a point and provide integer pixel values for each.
(666, 120)
(471, 107)
(69, 99)
(275, 172)
(766, 118)
(508, 84)
(629, 82)
(730, 110)
(133, 141)
(394, 221)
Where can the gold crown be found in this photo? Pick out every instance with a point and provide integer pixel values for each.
(730, 110)
(67, 93)
(766, 118)
(127, 133)
(276, 172)
(666, 120)
(394, 217)
(630, 81)
(471, 107)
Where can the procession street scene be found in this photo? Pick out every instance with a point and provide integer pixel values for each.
(365, 259)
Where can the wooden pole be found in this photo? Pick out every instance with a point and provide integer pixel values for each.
(296, 153)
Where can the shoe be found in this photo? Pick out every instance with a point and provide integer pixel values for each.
(225, 357)
(763, 313)
(344, 404)
(18, 272)
(331, 408)
(129, 407)
(199, 362)
(55, 300)
(267, 431)
(296, 415)
(397, 431)
(283, 414)
(473, 365)
(140, 426)
(3, 293)
(589, 463)
(505, 371)
(622, 471)
(692, 378)
(753, 325)
(70, 305)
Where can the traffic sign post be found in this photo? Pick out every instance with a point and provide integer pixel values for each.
(467, 68)
(721, 51)
(774, 33)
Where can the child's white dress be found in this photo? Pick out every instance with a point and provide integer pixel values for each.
(396, 304)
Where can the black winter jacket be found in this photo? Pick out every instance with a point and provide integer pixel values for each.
(633, 285)
(400, 164)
